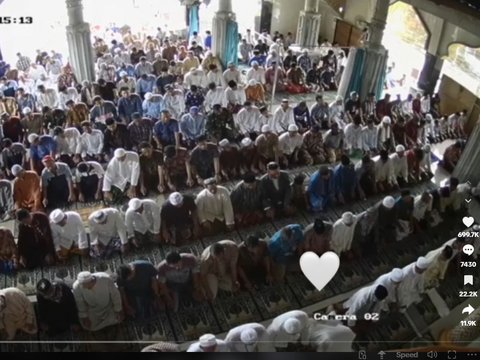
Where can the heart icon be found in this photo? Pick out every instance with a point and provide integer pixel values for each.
(468, 221)
(319, 270)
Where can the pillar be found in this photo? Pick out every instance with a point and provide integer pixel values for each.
(79, 42)
(366, 67)
(432, 67)
(308, 29)
(220, 42)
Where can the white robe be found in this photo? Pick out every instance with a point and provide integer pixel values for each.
(282, 119)
(330, 336)
(216, 206)
(249, 121)
(361, 303)
(120, 173)
(72, 233)
(175, 104)
(384, 170)
(147, 221)
(235, 343)
(18, 313)
(277, 334)
(100, 304)
(221, 347)
(400, 166)
(104, 233)
(70, 143)
(392, 288)
(412, 287)
(353, 137)
(215, 97)
(217, 78)
(342, 236)
(92, 144)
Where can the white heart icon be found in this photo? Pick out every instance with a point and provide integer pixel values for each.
(319, 270)
(468, 221)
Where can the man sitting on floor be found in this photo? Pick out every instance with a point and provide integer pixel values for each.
(69, 235)
(108, 233)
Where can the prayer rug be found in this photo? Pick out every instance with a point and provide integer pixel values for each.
(62, 343)
(299, 219)
(192, 321)
(232, 235)
(26, 281)
(275, 300)
(376, 266)
(448, 290)
(265, 230)
(66, 273)
(425, 311)
(155, 329)
(349, 277)
(196, 248)
(305, 293)
(96, 265)
(236, 309)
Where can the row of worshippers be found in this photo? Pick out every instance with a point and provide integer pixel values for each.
(401, 288)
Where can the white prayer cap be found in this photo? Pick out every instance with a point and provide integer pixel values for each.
(175, 198)
(396, 275)
(57, 216)
(99, 216)
(389, 202)
(224, 143)
(422, 263)
(292, 128)
(207, 340)
(386, 120)
(246, 142)
(123, 73)
(339, 98)
(16, 169)
(26, 111)
(84, 277)
(148, 96)
(400, 148)
(118, 50)
(119, 153)
(134, 204)
(249, 337)
(427, 148)
(429, 117)
(254, 63)
(32, 137)
(348, 218)
(292, 326)
(252, 82)
(266, 128)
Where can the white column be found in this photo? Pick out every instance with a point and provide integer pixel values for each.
(219, 28)
(378, 23)
(79, 42)
(309, 22)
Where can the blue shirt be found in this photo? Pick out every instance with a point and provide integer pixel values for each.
(153, 109)
(319, 187)
(194, 99)
(345, 178)
(166, 131)
(128, 106)
(281, 249)
(208, 41)
(45, 147)
(144, 86)
(261, 60)
(302, 117)
(192, 127)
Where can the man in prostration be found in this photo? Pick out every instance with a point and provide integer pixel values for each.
(289, 327)
(8, 252)
(69, 235)
(35, 242)
(108, 233)
(342, 234)
(27, 192)
(142, 219)
(138, 286)
(16, 313)
(121, 177)
(284, 248)
(215, 210)
(219, 268)
(179, 278)
(89, 181)
(179, 219)
(247, 203)
(413, 284)
(277, 192)
(254, 263)
(98, 301)
(57, 310)
(250, 337)
(209, 343)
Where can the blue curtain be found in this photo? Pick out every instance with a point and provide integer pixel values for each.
(231, 43)
(194, 23)
(357, 73)
(381, 79)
